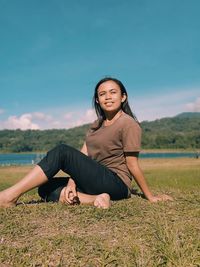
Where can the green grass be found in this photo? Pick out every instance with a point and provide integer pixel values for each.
(131, 233)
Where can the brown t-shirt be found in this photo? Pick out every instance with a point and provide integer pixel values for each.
(108, 144)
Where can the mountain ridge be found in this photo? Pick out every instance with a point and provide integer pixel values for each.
(179, 132)
(188, 115)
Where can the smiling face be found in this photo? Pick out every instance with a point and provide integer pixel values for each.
(110, 97)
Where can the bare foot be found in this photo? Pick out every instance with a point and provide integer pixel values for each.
(5, 201)
(102, 201)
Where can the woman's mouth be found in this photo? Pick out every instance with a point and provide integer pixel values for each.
(108, 103)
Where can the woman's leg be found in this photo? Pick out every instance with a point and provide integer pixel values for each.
(34, 178)
(54, 190)
(90, 177)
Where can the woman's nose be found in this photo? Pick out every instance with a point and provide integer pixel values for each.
(108, 96)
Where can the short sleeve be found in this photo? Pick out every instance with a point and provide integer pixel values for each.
(131, 136)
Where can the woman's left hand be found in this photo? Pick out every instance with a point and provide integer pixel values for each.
(70, 192)
(162, 197)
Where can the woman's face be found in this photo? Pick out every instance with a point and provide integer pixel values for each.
(110, 97)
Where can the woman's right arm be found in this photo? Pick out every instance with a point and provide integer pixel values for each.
(134, 168)
(84, 149)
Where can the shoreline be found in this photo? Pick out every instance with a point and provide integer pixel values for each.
(162, 150)
(144, 151)
(17, 159)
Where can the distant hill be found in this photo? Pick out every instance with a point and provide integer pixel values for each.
(189, 115)
(179, 132)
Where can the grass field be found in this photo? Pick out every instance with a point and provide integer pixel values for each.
(131, 233)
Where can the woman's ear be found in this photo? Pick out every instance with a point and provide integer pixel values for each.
(97, 101)
(124, 98)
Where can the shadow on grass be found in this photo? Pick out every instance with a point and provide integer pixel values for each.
(31, 202)
(134, 192)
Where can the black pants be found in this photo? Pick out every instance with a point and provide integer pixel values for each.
(90, 176)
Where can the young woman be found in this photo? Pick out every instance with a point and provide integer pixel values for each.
(103, 169)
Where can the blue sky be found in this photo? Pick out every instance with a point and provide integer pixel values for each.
(52, 53)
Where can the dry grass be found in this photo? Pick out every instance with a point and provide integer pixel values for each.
(131, 233)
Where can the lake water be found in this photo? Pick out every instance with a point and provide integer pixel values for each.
(28, 159)
(20, 159)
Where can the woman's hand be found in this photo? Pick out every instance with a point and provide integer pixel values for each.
(162, 197)
(70, 192)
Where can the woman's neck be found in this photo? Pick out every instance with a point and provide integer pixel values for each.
(110, 118)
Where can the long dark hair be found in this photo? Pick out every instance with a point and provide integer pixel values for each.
(125, 105)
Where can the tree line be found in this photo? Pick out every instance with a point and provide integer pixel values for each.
(179, 132)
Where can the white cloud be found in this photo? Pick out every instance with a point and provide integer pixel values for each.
(90, 115)
(164, 105)
(41, 116)
(194, 106)
(68, 115)
(40, 120)
(79, 117)
(22, 122)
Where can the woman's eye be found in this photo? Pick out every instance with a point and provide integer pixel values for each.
(101, 94)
